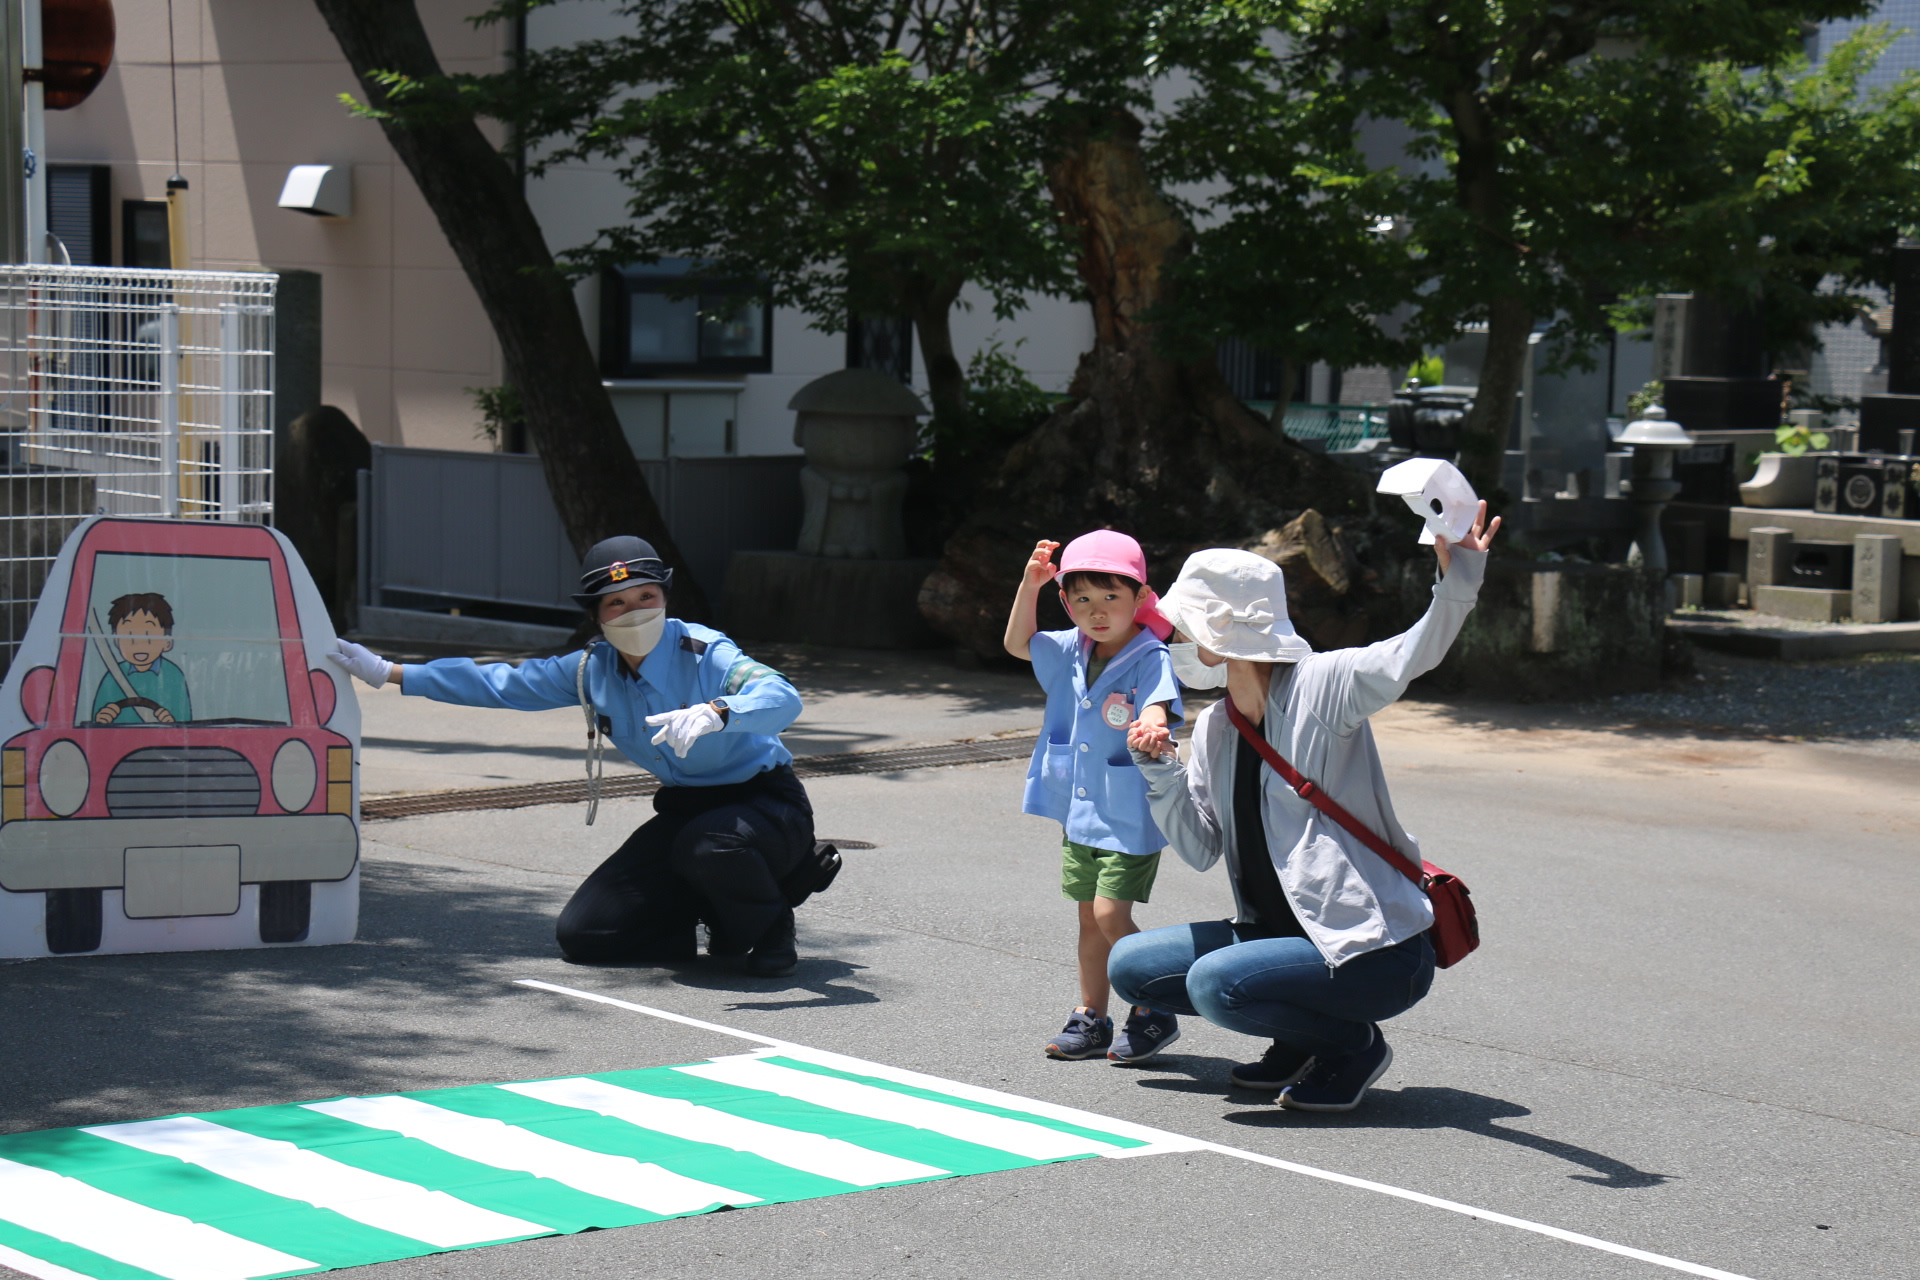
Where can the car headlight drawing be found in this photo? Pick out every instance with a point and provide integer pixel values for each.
(63, 778)
(294, 775)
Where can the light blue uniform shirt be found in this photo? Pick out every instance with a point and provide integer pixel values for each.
(691, 664)
(1082, 775)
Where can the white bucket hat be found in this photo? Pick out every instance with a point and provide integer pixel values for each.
(1235, 604)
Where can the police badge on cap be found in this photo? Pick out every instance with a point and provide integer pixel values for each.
(615, 565)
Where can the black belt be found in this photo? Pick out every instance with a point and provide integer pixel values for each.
(779, 782)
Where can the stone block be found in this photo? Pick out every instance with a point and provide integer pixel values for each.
(1806, 604)
(1723, 590)
(1876, 578)
(1769, 557)
(1689, 590)
(843, 603)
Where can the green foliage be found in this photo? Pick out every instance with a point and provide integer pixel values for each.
(1003, 404)
(502, 416)
(1794, 439)
(858, 156)
(1566, 155)
(1428, 371)
(1649, 394)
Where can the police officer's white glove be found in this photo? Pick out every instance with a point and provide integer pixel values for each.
(679, 728)
(361, 661)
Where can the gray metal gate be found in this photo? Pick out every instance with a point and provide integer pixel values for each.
(451, 529)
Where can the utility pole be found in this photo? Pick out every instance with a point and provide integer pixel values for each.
(13, 133)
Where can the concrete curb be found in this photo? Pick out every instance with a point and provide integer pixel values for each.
(1829, 642)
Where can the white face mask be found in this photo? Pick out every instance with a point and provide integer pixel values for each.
(1192, 672)
(636, 631)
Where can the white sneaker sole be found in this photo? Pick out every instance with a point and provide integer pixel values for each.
(1272, 1086)
(1153, 1053)
(1286, 1099)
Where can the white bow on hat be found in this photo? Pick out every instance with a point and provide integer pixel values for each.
(1234, 603)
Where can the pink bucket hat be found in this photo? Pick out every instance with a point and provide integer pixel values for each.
(1108, 551)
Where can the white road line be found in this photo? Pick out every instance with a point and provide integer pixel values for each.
(809, 1152)
(283, 1169)
(1035, 1142)
(503, 1146)
(126, 1231)
(1161, 1140)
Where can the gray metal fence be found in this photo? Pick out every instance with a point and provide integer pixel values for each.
(127, 392)
(451, 529)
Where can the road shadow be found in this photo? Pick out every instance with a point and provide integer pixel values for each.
(1426, 1107)
(93, 1039)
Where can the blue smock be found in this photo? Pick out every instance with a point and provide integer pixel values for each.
(691, 664)
(1081, 775)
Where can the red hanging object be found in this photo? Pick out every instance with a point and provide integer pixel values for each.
(76, 43)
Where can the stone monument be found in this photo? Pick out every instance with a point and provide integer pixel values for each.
(849, 582)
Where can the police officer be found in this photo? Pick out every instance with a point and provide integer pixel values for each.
(732, 822)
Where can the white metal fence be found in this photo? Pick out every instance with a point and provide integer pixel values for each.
(127, 392)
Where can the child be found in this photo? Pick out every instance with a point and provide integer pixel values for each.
(142, 626)
(1108, 673)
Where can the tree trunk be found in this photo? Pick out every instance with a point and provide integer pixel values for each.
(597, 486)
(1483, 437)
(1277, 417)
(932, 314)
(1157, 448)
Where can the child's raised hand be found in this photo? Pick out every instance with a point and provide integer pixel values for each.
(1150, 739)
(1040, 563)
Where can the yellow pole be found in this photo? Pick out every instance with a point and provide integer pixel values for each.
(180, 258)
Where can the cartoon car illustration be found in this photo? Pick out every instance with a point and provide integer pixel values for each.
(183, 762)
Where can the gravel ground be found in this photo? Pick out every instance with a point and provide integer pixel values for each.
(1871, 701)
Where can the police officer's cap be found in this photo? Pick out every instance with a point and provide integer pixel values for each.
(615, 565)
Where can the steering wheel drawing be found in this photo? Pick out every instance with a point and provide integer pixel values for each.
(124, 703)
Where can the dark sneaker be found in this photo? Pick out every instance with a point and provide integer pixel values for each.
(1084, 1036)
(1338, 1084)
(1279, 1066)
(1147, 1032)
(775, 956)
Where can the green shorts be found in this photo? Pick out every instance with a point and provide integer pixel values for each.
(1087, 873)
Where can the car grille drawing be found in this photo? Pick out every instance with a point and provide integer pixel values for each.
(183, 782)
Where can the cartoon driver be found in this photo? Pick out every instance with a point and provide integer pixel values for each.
(142, 626)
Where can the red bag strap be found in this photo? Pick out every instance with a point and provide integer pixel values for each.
(1320, 799)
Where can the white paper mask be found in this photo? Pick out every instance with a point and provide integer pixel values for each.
(1437, 493)
(636, 631)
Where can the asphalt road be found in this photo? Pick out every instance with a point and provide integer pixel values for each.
(1691, 1030)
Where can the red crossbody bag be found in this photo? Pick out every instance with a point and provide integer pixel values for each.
(1456, 930)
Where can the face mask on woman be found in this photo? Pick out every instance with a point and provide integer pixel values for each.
(1192, 672)
(636, 631)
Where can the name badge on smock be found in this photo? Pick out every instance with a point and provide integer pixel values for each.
(1117, 711)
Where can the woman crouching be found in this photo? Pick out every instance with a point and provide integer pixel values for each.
(1329, 939)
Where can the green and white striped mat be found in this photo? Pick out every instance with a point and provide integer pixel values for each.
(289, 1190)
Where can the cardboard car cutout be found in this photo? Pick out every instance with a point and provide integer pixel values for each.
(177, 760)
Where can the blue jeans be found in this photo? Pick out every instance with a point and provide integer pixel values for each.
(1279, 988)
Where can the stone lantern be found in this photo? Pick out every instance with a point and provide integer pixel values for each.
(858, 428)
(1655, 441)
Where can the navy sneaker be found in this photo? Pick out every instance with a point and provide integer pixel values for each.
(1084, 1036)
(1280, 1066)
(1338, 1084)
(1147, 1032)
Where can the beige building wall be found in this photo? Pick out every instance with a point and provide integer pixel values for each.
(258, 87)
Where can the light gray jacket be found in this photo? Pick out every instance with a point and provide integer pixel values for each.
(1348, 898)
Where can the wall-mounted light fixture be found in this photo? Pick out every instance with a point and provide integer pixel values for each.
(323, 190)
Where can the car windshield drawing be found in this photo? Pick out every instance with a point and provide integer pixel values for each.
(178, 763)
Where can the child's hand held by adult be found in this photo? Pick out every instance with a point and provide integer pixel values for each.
(1150, 739)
